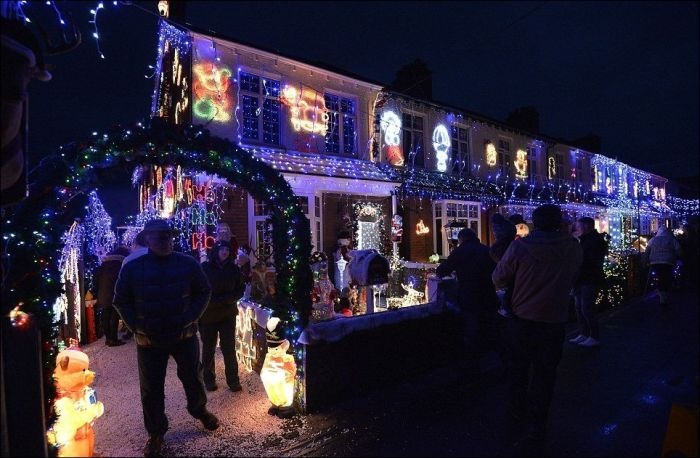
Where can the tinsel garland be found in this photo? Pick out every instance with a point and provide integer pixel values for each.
(32, 229)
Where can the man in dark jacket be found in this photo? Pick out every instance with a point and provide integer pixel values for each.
(589, 281)
(541, 268)
(160, 296)
(219, 318)
(105, 278)
(473, 265)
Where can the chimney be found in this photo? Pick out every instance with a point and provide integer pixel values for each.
(414, 79)
(590, 142)
(525, 118)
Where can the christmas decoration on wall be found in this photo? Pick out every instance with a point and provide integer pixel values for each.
(551, 167)
(441, 145)
(391, 127)
(396, 228)
(76, 406)
(171, 98)
(323, 293)
(490, 153)
(211, 88)
(520, 163)
(307, 109)
(99, 236)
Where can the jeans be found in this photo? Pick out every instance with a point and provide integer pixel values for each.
(153, 362)
(226, 332)
(110, 323)
(584, 300)
(534, 352)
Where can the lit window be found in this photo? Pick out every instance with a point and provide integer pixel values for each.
(260, 108)
(340, 136)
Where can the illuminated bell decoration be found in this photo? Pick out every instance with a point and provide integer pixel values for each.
(164, 8)
(278, 373)
(77, 407)
(491, 154)
(521, 230)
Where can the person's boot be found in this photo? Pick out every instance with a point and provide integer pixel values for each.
(209, 420)
(154, 445)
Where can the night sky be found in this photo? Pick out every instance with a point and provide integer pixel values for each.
(625, 71)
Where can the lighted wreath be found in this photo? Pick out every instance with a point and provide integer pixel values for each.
(32, 229)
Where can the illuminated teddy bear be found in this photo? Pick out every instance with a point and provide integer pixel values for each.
(76, 405)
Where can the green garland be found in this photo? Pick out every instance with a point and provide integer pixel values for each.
(32, 229)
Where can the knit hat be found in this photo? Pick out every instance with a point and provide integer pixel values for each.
(502, 228)
(547, 217)
(516, 219)
(157, 225)
(467, 234)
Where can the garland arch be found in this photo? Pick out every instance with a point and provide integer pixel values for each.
(32, 229)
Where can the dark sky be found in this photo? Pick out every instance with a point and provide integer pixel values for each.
(626, 71)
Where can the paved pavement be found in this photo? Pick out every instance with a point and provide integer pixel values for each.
(609, 401)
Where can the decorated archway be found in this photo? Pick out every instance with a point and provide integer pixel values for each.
(32, 230)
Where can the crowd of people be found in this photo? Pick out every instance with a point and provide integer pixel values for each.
(514, 298)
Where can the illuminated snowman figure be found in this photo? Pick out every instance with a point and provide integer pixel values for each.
(441, 145)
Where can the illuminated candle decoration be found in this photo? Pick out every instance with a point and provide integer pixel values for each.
(551, 167)
(390, 124)
(647, 187)
(211, 90)
(421, 228)
(441, 144)
(608, 185)
(307, 110)
(635, 189)
(520, 163)
(491, 155)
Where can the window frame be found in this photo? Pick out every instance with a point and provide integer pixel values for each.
(441, 217)
(411, 131)
(457, 154)
(341, 125)
(262, 97)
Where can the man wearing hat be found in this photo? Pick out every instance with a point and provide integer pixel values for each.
(160, 296)
(541, 268)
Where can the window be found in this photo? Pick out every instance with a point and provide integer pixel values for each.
(504, 156)
(532, 161)
(413, 139)
(450, 211)
(260, 107)
(579, 169)
(340, 136)
(461, 161)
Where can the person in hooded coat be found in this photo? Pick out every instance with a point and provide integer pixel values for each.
(478, 300)
(106, 276)
(662, 253)
(541, 268)
(219, 317)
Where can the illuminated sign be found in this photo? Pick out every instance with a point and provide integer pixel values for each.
(441, 144)
(520, 163)
(391, 126)
(491, 155)
(211, 92)
(308, 111)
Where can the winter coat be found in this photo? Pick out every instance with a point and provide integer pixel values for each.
(473, 265)
(595, 247)
(160, 298)
(663, 248)
(226, 288)
(105, 278)
(541, 268)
